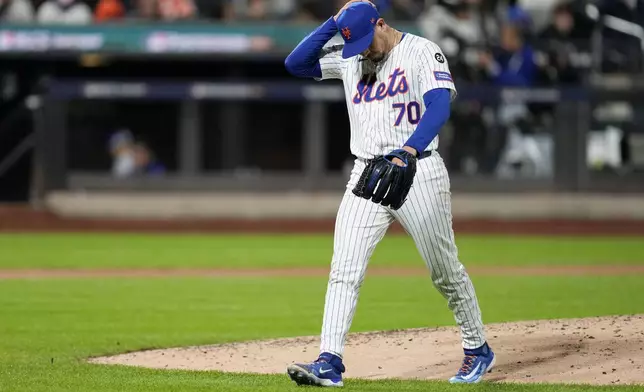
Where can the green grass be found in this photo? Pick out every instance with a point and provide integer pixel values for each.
(50, 326)
(148, 251)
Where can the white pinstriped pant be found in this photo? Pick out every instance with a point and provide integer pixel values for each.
(427, 217)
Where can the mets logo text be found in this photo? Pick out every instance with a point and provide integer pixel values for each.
(377, 92)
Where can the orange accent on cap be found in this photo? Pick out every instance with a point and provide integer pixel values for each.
(346, 33)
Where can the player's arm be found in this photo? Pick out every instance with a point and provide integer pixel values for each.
(433, 77)
(304, 60)
(437, 112)
(310, 59)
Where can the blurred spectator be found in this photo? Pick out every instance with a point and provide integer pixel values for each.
(566, 45)
(130, 158)
(460, 30)
(250, 9)
(540, 11)
(64, 12)
(108, 10)
(315, 11)
(145, 161)
(167, 10)
(518, 16)
(284, 8)
(260, 9)
(450, 18)
(512, 63)
(16, 11)
(121, 146)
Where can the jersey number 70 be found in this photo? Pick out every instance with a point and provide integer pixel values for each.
(412, 109)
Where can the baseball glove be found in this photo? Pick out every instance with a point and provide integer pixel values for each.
(386, 183)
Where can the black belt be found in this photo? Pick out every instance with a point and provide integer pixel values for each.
(424, 154)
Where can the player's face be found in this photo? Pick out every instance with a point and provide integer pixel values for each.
(378, 48)
(510, 39)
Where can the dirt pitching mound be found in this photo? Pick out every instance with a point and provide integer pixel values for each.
(601, 350)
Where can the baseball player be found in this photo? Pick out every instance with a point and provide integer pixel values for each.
(398, 91)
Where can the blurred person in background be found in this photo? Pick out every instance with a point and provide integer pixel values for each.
(261, 9)
(167, 10)
(109, 10)
(511, 64)
(463, 29)
(145, 161)
(309, 11)
(460, 29)
(540, 11)
(132, 158)
(16, 11)
(563, 51)
(565, 42)
(73, 12)
(515, 13)
(121, 147)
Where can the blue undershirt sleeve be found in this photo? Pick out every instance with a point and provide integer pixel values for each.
(437, 112)
(303, 61)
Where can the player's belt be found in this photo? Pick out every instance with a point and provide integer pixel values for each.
(425, 154)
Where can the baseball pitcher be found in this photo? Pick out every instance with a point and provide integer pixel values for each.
(398, 89)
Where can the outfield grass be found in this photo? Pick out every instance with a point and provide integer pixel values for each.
(241, 251)
(48, 327)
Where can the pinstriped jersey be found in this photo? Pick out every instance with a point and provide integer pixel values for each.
(384, 114)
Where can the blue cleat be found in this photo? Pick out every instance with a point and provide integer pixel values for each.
(477, 362)
(326, 371)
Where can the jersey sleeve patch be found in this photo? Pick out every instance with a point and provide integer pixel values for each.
(442, 75)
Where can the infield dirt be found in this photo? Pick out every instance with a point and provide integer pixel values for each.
(601, 350)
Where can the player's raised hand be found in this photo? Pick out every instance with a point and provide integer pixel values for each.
(347, 6)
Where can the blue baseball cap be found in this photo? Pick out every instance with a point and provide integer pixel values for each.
(357, 26)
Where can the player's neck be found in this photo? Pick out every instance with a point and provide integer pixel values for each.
(394, 39)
